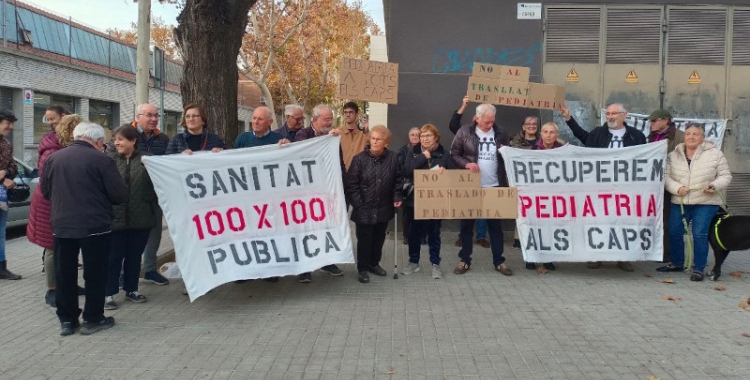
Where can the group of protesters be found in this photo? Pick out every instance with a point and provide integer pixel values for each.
(88, 202)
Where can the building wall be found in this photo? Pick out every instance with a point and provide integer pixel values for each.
(378, 112)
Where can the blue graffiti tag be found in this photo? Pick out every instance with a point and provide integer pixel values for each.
(449, 60)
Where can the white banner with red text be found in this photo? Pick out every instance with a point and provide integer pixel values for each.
(713, 128)
(584, 204)
(254, 212)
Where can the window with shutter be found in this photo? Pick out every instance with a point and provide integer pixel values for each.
(633, 35)
(696, 36)
(741, 37)
(572, 35)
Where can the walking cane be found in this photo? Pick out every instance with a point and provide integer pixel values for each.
(395, 247)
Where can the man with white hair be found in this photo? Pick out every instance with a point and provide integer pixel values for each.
(475, 148)
(82, 184)
(615, 133)
(295, 118)
(261, 133)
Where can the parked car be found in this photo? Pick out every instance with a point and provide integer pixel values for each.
(18, 212)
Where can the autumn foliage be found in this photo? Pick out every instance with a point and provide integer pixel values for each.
(161, 36)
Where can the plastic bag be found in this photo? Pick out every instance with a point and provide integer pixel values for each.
(170, 270)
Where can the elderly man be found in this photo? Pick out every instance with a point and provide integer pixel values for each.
(475, 148)
(294, 119)
(82, 184)
(354, 136)
(261, 133)
(321, 125)
(615, 133)
(663, 128)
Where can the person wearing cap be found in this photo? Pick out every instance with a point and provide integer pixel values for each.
(662, 127)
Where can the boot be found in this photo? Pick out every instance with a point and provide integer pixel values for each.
(5, 274)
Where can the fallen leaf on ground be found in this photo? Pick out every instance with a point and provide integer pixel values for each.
(747, 308)
(737, 273)
(648, 275)
(670, 298)
(720, 288)
(746, 335)
(391, 372)
(653, 378)
(743, 304)
(667, 281)
(541, 270)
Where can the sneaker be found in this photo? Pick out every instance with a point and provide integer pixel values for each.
(377, 270)
(516, 243)
(89, 328)
(304, 278)
(697, 276)
(625, 266)
(594, 264)
(458, 242)
(549, 266)
(483, 243)
(363, 277)
(155, 278)
(530, 266)
(69, 328)
(669, 268)
(333, 270)
(81, 291)
(49, 298)
(136, 297)
(410, 268)
(436, 272)
(461, 268)
(109, 303)
(503, 268)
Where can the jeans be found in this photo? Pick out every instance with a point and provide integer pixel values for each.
(154, 240)
(125, 254)
(418, 229)
(3, 223)
(370, 239)
(496, 240)
(481, 229)
(95, 252)
(701, 216)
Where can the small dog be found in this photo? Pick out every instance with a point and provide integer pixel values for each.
(734, 234)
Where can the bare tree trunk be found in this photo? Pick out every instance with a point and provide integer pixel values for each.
(209, 35)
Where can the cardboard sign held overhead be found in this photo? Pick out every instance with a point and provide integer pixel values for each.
(487, 70)
(372, 81)
(457, 194)
(510, 86)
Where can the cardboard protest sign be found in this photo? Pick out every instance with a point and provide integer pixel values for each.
(457, 194)
(510, 86)
(582, 204)
(714, 128)
(253, 213)
(372, 81)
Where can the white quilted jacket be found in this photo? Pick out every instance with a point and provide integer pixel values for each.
(708, 167)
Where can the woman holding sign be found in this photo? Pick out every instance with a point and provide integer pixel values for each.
(428, 154)
(696, 172)
(372, 186)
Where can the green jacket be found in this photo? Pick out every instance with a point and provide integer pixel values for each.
(140, 210)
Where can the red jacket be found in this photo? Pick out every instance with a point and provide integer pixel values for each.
(39, 229)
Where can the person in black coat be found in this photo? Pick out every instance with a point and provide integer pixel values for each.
(428, 154)
(372, 186)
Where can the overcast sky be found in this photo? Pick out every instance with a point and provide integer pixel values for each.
(105, 14)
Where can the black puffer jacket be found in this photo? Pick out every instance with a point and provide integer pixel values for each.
(416, 160)
(140, 211)
(465, 148)
(372, 185)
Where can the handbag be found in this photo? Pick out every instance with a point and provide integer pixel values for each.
(20, 192)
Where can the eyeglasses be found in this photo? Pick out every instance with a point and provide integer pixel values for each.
(613, 113)
(154, 115)
(654, 120)
(296, 118)
(192, 116)
(426, 136)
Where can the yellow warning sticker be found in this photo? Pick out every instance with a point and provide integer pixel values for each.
(572, 76)
(694, 78)
(632, 77)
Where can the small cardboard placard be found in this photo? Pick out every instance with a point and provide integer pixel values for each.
(371, 81)
(457, 194)
(510, 86)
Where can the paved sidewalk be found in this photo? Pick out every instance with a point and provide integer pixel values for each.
(573, 323)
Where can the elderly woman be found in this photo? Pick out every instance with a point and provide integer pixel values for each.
(196, 136)
(403, 153)
(427, 154)
(133, 220)
(8, 171)
(696, 172)
(39, 229)
(372, 186)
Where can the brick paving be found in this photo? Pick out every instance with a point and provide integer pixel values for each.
(573, 323)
